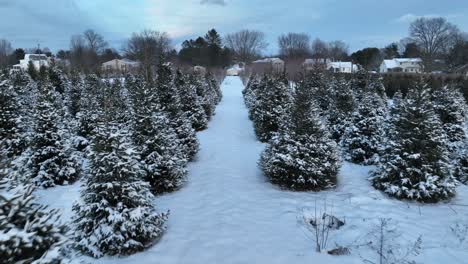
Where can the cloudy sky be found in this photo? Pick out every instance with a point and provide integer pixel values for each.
(360, 23)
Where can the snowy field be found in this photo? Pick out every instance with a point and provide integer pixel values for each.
(228, 213)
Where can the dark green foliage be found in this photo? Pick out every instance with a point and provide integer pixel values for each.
(302, 156)
(415, 162)
(30, 233)
(117, 216)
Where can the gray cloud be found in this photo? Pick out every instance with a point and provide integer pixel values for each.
(213, 2)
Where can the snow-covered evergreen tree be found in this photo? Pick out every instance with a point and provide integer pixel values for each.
(302, 156)
(11, 142)
(206, 95)
(415, 162)
(250, 93)
(29, 232)
(214, 85)
(163, 158)
(191, 105)
(343, 106)
(51, 163)
(116, 215)
(450, 106)
(271, 107)
(363, 138)
(169, 99)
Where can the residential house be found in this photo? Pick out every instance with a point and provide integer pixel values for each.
(409, 65)
(37, 60)
(268, 65)
(342, 67)
(122, 65)
(312, 64)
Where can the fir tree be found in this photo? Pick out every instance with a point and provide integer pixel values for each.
(169, 99)
(163, 159)
(362, 139)
(29, 232)
(343, 106)
(11, 142)
(271, 107)
(302, 156)
(51, 163)
(415, 162)
(117, 215)
(206, 95)
(191, 105)
(214, 85)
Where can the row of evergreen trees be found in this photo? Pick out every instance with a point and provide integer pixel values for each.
(129, 139)
(418, 142)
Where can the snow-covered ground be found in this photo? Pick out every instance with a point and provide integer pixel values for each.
(229, 213)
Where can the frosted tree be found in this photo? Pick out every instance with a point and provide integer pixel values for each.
(271, 107)
(302, 156)
(29, 232)
(250, 93)
(363, 137)
(116, 215)
(169, 99)
(163, 159)
(11, 142)
(191, 105)
(415, 162)
(343, 106)
(51, 163)
(206, 95)
(214, 85)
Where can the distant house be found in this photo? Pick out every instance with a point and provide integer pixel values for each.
(342, 67)
(38, 60)
(234, 70)
(122, 65)
(268, 65)
(312, 64)
(410, 65)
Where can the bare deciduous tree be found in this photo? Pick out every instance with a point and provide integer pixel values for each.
(433, 36)
(246, 44)
(320, 49)
(338, 50)
(5, 51)
(147, 47)
(294, 45)
(94, 41)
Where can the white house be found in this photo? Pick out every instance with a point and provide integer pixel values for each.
(38, 60)
(342, 67)
(410, 65)
(234, 70)
(312, 64)
(120, 65)
(269, 64)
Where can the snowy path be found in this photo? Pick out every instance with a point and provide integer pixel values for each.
(228, 213)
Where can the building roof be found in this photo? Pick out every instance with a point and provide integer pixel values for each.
(396, 63)
(341, 64)
(269, 60)
(35, 57)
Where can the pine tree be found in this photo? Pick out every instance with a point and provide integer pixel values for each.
(29, 232)
(343, 106)
(302, 156)
(51, 163)
(191, 105)
(11, 142)
(250, 93)
(415, 163)
(271, 107)
(117, 215)
(214, 85)
(450, 106)
(164, 161)
(206, 95)
(362, 139)
(169, 99)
